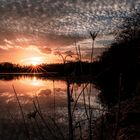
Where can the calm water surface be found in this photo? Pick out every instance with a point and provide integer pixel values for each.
(50, 98)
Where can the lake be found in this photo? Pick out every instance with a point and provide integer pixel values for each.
(36, 107)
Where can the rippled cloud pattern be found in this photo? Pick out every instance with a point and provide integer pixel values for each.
(73, 17)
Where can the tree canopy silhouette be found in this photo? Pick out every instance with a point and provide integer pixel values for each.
(123, 57)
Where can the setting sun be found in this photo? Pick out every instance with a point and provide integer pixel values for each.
(33, 61)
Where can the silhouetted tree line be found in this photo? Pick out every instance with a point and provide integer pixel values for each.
(7, 67)
(70, 68)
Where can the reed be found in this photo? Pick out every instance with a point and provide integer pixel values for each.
(22, 113)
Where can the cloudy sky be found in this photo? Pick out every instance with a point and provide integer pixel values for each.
(34, 30)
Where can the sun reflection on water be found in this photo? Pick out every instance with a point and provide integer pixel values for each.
(34, 81)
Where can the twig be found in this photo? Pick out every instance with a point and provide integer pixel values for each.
(78, 98)
(43, 120)
(58, 128)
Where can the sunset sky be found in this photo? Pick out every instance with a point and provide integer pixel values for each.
(35, 30)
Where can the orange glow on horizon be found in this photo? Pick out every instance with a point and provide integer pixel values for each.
(34, 61)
